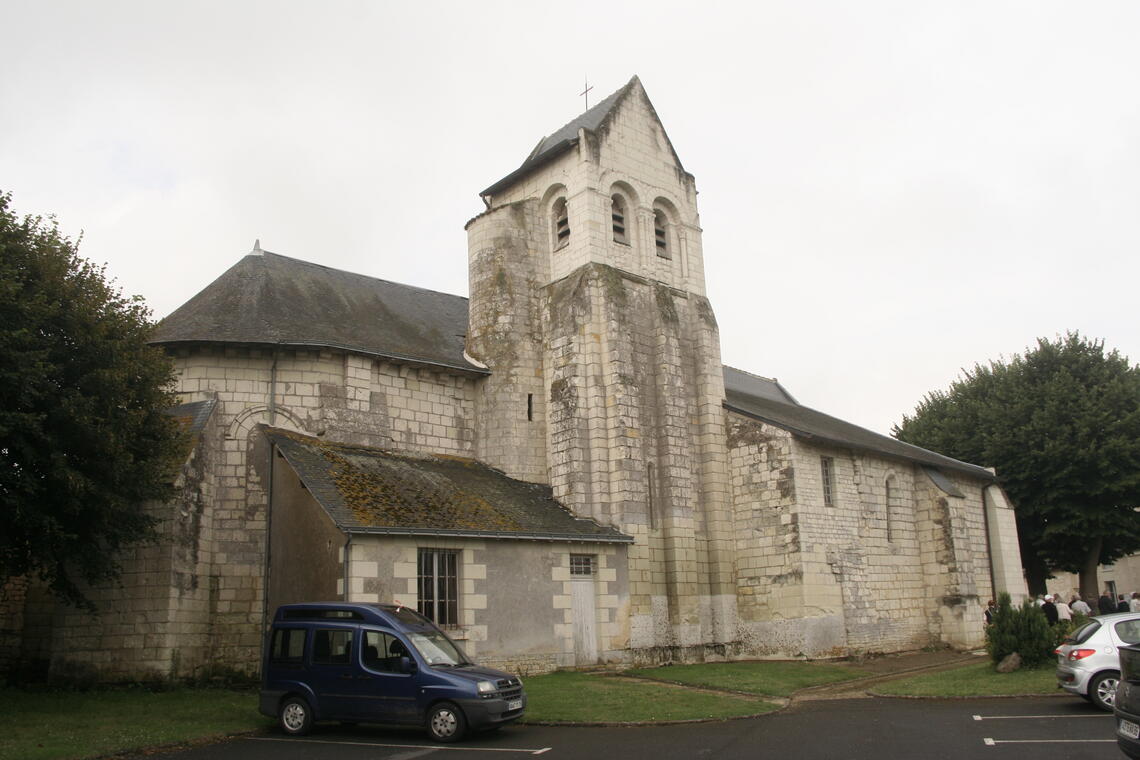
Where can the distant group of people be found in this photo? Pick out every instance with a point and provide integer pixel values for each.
(1056, 609)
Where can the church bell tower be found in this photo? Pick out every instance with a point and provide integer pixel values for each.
(588, 306)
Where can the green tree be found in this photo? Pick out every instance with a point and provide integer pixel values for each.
(1061, 424)
(83, 438)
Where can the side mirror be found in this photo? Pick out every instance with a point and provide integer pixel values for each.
(407, 665)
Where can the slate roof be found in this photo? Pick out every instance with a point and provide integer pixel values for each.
(193, 416)
(565, 137)
(368, 490)
(766, 400)
(270, 299)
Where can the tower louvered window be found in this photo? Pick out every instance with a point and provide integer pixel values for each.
(561, 224)
(617, 213)
(661, 234)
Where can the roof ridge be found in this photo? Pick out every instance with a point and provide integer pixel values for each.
(328, 268)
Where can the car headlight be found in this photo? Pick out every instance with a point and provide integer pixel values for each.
(485, 687)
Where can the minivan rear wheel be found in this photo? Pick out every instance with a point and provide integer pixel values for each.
(295, 716)
(1102, 689)
(445, 722)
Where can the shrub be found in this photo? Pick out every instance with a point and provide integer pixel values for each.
(1023, 630)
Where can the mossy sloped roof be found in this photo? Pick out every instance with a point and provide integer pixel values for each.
(366, 490)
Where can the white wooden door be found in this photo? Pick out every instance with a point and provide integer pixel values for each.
(585, 620)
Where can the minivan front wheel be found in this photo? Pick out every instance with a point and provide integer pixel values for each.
(445, 722)
(1102, 689)
(295, 716)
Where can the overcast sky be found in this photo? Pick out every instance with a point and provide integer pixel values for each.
(889, 192)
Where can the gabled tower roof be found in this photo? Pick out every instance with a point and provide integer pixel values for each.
(563, 139)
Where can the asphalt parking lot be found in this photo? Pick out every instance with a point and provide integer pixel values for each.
(1036, 728)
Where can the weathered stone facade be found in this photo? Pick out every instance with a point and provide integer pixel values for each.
(743, 524)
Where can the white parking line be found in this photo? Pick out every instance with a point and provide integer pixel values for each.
(1020, 717)
(993, 742)
(402, 746)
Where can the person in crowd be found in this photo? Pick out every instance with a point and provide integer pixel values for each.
(1134, 603)
(1049, 609)
(1040, 601)
(1122, 604)
(991, 610)
(1064, 612)
(1105, 605)
(1080, 606)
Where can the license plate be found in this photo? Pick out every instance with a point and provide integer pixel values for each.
(514, 704)
(1129, 729)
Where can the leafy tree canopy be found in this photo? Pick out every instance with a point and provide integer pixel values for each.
(83, 438)
(1061, 424)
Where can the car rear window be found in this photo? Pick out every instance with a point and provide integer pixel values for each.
(1082, 634)
(1128, 631)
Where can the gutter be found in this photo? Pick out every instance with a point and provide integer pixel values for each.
(621, 538)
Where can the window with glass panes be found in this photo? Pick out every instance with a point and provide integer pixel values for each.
(439, 585)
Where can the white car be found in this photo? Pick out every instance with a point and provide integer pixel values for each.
(1088, 663)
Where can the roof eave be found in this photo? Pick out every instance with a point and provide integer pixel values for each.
(621, 538)
(528, 166)
(405, 358)
(953, 464)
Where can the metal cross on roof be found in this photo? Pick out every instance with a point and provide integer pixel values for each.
(586, 92)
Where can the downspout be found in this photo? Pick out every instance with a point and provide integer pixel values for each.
(265, 573)
(273, 386)
(347, 549)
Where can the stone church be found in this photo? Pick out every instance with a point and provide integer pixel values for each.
(559, 469)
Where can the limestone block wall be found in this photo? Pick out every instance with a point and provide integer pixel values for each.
(507, 267)
(632, 404)
(955, 558)
(769, 567)
(154, 623)
(514, 603)
(1005, 551)
(340, 396)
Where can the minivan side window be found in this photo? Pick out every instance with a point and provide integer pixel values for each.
(382, 651)
(288, 645)
(332, 647)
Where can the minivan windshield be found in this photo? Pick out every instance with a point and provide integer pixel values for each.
(437, 649)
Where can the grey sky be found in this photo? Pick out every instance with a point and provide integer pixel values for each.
(889, 191)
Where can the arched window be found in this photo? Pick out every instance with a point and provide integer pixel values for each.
(561, 221)
(661, 234)
(617, 214)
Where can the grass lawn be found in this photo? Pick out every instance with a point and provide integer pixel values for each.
(775, 679)
(52, 725)
(976, 680)
(591, 698)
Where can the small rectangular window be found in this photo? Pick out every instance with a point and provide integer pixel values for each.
(288, 645)
(439, 586)
(827, 473)
(581, 564)
(530, 407)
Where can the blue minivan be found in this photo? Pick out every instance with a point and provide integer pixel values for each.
(378, 663)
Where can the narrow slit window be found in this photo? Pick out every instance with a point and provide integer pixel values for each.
(530, 407)
(617, 214)
(827, 474)
(889, 505)
(561, 224)
(661, 234)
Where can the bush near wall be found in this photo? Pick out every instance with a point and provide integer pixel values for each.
(1020, 629)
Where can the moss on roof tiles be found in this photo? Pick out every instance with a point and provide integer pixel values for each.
(366, 489)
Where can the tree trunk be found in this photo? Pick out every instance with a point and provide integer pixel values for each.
(1090, 586)
(1035, 576)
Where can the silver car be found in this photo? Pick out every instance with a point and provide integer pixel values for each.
(1088, 663)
